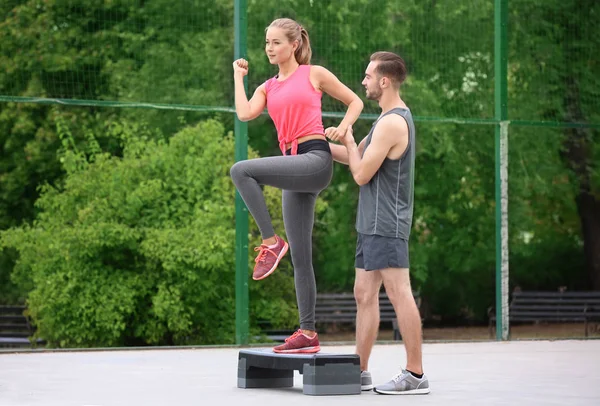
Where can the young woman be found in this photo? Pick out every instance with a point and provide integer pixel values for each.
(293, 100)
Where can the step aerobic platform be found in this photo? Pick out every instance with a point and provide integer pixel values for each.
(323, 374)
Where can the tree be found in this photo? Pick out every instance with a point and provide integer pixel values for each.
(556, 79)
(95, 51)
(157, 52)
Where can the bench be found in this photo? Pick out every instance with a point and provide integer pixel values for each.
(333, 308)
(340, 308)
(550, 307)
(14, 327)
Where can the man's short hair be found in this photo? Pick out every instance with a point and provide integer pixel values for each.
(391, 66)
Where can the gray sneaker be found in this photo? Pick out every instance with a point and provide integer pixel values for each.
(366, 381)
(404, 384)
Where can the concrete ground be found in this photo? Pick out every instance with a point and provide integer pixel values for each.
(493, 373)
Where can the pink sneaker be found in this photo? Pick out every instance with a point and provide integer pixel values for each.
(299, 343)
(268, 258)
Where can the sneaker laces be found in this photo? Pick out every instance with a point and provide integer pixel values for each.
(262, 256)
(296, 334)
(398, 377)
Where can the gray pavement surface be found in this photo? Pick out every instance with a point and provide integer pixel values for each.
(479, 373)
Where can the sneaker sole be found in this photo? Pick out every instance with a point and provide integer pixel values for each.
(306, 350)
(406, 392)
(366, 387)
(281, 254)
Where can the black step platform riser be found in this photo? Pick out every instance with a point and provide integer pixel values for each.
(323, 374)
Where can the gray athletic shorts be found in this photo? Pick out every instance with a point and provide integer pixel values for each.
(375, 252)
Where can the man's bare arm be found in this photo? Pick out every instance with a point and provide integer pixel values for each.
(387, 134)
(340, 152)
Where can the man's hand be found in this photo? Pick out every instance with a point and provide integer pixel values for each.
(348, 139)
(240, 67)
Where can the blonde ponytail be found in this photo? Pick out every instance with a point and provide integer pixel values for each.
(303, 53)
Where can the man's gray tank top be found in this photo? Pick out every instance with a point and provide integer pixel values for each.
(385, 204)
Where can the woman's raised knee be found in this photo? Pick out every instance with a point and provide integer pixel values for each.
(237, 171)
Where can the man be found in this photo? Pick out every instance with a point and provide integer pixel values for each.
(383, 166)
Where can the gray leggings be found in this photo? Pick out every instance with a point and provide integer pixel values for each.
(302, 178)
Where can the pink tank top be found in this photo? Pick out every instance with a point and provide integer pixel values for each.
(295, 107)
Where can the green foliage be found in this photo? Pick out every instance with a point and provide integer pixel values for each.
(140, 249)
(180, 53)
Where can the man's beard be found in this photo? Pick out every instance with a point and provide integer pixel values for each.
(374, 94)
